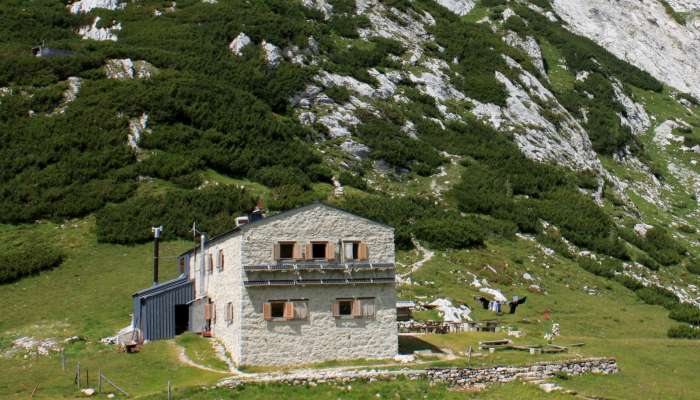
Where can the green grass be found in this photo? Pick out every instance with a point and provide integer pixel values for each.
(200, 350)
(397, 389)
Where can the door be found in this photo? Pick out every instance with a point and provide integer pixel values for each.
(182, 318)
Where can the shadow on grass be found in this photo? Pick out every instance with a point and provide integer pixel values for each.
(409, 344)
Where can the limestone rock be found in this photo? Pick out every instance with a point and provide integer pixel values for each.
(642, 33)
(321, 5)
(137, 127)
(127, 69)
(663, 134)
(241, 41)
(272, 53)
(85, 6)
(636, 117)
(528, 45)
(88, 392)
(459, 7)
(100, 34)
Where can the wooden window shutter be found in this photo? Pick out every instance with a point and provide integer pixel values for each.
(362, 251)
(356, 308)
(288, 310)
(221, 260)
(296, 252)
(211, 263)
(213, 313)
(276, 251)
(267, 311)
(330, 251)
(207, 312)
(336, 309)
(309, 251)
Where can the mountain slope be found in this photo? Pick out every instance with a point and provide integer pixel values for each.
(489, 131)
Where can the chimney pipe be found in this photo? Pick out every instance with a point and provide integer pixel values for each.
(157, 230)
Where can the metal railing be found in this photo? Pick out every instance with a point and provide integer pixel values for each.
(317, 266)
(327, 281)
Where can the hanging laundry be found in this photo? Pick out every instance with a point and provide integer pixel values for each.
(515, 303)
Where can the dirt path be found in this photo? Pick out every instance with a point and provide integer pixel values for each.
(427, 256)
(183, 358)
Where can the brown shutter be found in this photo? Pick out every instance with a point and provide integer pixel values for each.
(207, 311)
(362, 251)
(356, 308)
(211, 263)
(221, 259)
(213, 313)
(297, 252)
(330, 251)
(267, 311)
(276, 251)
(336, 309)
(309, 251)
(288, 310)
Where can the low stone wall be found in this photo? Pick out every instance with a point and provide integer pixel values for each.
(500, 374)
(451, 376)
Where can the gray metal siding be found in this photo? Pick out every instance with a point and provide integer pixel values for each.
(155, 313)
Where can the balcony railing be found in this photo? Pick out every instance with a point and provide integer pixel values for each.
(329, 281)
(318, 266)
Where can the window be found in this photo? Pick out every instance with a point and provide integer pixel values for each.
(355, 251)
(286, 250)
(354, 308)
(229, 313)
(318, 250)
(210, 263)
(350, 250)
(277, 310)
(345, 307)
(286, 310)
(220, 259)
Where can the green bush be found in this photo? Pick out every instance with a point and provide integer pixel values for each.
(693, 267)
(450, 233)
(279, 176)
(658, 244)
(286, 197)
(27, 258)
(606, 268)
(685, 313)
(339, 94)
(684, 332)
(212, 208)
(657, 296)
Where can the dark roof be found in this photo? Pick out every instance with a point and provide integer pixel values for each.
(49, 52)
(282, 215)
(162, 287)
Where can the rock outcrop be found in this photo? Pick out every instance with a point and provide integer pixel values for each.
(85, 6)
(101, 34)
(642, 33)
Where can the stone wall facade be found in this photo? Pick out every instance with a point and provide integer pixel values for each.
(253, 340)
(322, 337)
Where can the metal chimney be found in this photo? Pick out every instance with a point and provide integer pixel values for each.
(157, 230)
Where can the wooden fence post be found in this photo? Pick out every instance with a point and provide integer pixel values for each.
(170, 392)
(87, 377)
(77, 375)
(63, 360)
(99, 381)
(469, 357)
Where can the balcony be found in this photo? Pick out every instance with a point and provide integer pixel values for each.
(318, 266)
(317, 282)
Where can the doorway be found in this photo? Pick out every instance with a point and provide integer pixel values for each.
(182, 318)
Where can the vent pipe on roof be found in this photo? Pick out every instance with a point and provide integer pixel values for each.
(157, 230)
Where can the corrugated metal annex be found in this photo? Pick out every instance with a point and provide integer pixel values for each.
(155, 307)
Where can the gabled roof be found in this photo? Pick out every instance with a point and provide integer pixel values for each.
(282, 215)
